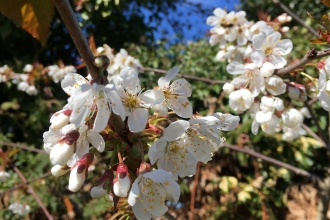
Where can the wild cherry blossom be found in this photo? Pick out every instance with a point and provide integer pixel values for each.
(172, 153)
(241, 100)
(175, 95)
(149, 192)
(135, 103)
(270, 48)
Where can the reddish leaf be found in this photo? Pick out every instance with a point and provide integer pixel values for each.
(34, 16)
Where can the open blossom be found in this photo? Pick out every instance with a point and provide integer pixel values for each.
(290, 134)
(149, 192)
(219, 17)
(218, 36)
(172, 153)
(241, 100)
(249, 75)
(270, 48)
(57, 73)
(86, 137)
(268, 121)
(258, 28)
(86, 99)
(203, 135)
(135, 103)
(292, 118)
(175, 95)
(19, 209)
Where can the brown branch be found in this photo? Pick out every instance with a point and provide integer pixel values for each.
(65, 10)
(273, 161)
(168, 216)
(310, 55)
(211, 81)
(313, 134)
(319, 129)
(193, 193)
(25, 183)
(42, 206)
(23, 147)
(296, 17)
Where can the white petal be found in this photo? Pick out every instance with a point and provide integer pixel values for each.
(71, 81)
(258, 41)
(278, 61)
(137, 120)
(181, 87)
(175, 130)
(96, 140)
(262, 117)
(76, 180)
(98, 192)
(135, 191)
(235, 68)
(152, 97)
(171, 74)
(161, 109)
(157, 150)
(116, 104)
(61, 153)
(102, 116)
(181, 106)
(283, 47)
(258, 58)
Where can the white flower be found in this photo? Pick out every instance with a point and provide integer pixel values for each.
(219, 18)
(20, 209)
(28, 68)
(260, 27)
(51, 137)
(172, 153)
(59, 170)
(292, 118)
(291, 134)
(98, 192)
(31, 90)
(275, 85)
(87, 136)
(57, 73)
(241, 100)
(271, 47)
(22, 86)
(268, 122)
(122, 182)
(175, 95)
(324, 88)
(149, 192)
(267, 69)
(218, 36)
(228, 88)
(79, 172)
(87, 98)
(3, 176)
(60, 119)
(135, 103)
(250, 76)
(305, 112)
(71, 82)
(269, 104)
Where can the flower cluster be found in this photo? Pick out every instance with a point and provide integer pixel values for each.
(256, 88)
(19, 209)
(87, 122)
(118, 61)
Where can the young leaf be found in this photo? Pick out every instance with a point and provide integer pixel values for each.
(34, 16)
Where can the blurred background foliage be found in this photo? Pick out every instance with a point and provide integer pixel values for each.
(232, 186)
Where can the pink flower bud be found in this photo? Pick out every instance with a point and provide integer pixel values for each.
(122, 182)
(60, 119)
(79, 172)
(58, 170)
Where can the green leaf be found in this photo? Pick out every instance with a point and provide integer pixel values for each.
(33, 16)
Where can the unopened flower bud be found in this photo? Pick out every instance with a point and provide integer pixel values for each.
(58, 170)
(79, 172)
(228, 88)
(292, 118)
(60, 119)
(304, 111)
(103, 185)
(267, 69)
(297, 92)
(122, 182)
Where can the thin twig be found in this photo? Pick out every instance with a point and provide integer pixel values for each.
(193, 193)
(313, 134)
(273, 161)
(23, 147)
(319, 129)
(25, 183)
(310, 55)
(296, 17)
(211, 81)
(42, 206)
(65, 10)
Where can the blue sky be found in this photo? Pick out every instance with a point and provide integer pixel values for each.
(199, 28)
